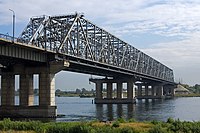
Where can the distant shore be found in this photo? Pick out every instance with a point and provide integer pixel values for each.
(91, 95)
(75, 95)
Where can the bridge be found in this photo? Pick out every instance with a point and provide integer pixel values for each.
(49, 44)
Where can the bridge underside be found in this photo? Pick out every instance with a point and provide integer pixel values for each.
(25, 69)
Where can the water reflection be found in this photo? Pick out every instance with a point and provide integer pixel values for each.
(143, 110)
(99, 111)
(119, 111)
(109, 112)
(131, 110)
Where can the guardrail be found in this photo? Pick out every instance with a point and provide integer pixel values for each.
(8, 37)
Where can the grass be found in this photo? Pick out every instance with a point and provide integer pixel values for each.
(187, 95)
(118, 126)
(12, 131)
(138, 126)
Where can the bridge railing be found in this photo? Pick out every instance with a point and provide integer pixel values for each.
(8, 37)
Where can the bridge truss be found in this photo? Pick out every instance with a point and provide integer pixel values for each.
(73, 35)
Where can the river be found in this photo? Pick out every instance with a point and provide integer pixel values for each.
(79, 109)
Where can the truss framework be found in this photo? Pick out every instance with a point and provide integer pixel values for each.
(75, 36)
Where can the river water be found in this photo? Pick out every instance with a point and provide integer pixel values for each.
(78, 109)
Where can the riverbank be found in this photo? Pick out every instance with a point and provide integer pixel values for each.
(187, 95)
(118, 126)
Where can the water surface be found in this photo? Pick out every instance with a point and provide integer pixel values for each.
(77, 109)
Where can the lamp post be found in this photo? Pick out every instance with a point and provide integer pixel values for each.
(13, 24)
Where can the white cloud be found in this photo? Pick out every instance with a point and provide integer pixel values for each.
(166, 17)
(92, 8)
(182, 56)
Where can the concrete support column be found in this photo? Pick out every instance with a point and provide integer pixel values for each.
(119, 90)
(160, 91)
(26, 90)
(146, 90)
(8, 89)
(167, 91)
(172, 91)
(109, 90)
(130, 90)
(99, 87)
(139, 90)
(157, 90)
(46, 89)
(152, 90)
(109, 100)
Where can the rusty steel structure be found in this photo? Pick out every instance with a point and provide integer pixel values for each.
(75, 36)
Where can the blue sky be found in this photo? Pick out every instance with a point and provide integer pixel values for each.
(167, 30)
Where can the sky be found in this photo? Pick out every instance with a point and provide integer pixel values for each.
(167, 30)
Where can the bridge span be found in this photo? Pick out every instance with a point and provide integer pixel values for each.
(50, 44)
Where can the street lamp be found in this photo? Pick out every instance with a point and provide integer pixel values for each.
(13, 24)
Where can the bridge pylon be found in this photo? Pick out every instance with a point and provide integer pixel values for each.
(114, 98)
(46, 107)
(154, 91)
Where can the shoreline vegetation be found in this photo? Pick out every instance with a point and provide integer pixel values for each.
(188, 95)
(182, 90)
(118, 126)
(192, 91)
(92, 95)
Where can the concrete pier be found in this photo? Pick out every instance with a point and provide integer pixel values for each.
(7, 89)
(109, 90)
(46, 107)
(146, 90)
(46, 89)
(109, 99)
(169, 91)
(130, 90)
(99, 87)
(119, 90)
(154, 91)
(26, 90)
(139, 90)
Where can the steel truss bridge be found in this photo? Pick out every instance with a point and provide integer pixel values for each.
(90, 49)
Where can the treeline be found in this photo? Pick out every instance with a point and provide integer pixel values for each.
(118, 126)
(78, 92)
(194, 89)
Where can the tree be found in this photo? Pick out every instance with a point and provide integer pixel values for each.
(197, 88)
(84, 91)
(78, 91)
(58, 91)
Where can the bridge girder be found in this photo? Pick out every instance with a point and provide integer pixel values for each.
(73, 35)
